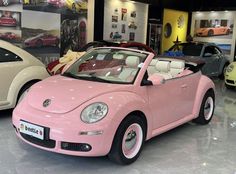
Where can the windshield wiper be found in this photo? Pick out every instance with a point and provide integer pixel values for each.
(69, 74)
(90, 77)
(94, 78)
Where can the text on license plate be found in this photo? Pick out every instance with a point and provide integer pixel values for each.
(31, 129)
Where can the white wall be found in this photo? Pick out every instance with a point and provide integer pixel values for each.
(140, 20)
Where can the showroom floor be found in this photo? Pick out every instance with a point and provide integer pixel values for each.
(194, 149)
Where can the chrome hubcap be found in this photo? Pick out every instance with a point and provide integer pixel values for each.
(208, 108)
(132, 140)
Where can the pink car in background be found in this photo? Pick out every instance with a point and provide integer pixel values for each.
(41, 40)
(8, 21)
(111, 108)
(56, 3)
(7, 2)
(9, 36)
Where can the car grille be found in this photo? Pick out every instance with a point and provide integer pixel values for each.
(230, 81)
(48, 143)
(76, 146)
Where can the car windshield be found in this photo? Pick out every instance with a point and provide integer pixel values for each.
(108, 65)
(188, 49)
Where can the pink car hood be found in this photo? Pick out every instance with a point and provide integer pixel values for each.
(66, 94)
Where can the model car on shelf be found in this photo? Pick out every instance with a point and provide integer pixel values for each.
(8, 21)
(19, 70)
(230, 75)
(116, 36)
(9, 36)
(7, 2)
(56, 67)
(213, 31)
(76, 5)
(110, 101)
(132, 25)
(56, 3)
(42, 40)
(215, 60)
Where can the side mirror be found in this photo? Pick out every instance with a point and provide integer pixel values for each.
(208, 55)
(156, 79)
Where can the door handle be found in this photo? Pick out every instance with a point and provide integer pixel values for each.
(184, 86)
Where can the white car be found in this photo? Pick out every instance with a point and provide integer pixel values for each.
(19, 71)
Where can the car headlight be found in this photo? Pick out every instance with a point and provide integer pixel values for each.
(230, 68)
(94, 112)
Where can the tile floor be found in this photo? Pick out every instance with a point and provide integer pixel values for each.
(188, 149)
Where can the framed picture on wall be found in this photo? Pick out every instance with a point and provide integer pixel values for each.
(217, 28)
(114, 19)
(124, 14)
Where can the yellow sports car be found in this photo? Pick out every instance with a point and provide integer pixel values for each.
(77, 5)
(230, 76)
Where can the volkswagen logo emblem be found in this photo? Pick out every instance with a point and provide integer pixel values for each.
(46, 103)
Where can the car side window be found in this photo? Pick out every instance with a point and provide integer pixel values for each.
(7, 56)
(219, 52)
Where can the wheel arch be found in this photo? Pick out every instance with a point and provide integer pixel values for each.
(27, 75)
(205, 84)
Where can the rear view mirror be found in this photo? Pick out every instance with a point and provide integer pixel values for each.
(156, 79)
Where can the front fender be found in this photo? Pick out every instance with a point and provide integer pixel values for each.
(120, 105)
(26, 75)
(204, 85)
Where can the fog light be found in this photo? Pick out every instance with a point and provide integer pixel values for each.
(85, 147)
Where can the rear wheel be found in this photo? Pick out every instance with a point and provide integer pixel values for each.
(210, 33)
(24, 91)
(39, 43)
(228, 32)
(128, 141)
(207, 108)
(57, 43)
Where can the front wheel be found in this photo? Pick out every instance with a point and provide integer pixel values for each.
(128, 141)
(207, 108)
(222, 75)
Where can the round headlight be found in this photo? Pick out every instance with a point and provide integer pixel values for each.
(230, 68)
(94, 112)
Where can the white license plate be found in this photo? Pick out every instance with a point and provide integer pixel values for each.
(32, 130)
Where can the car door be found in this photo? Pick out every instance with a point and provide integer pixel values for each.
(10, 65)
(212, 57)
(173, 100)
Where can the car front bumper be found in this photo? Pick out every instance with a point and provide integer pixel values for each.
(230, 80)
(73, 139)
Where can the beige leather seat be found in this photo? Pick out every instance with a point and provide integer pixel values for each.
(176, 67)
(163, 69)
(130, 69)
(118, 56)
(152, 67)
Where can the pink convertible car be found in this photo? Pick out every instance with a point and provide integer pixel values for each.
(112, 107)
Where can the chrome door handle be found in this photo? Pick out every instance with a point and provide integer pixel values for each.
(184, 86)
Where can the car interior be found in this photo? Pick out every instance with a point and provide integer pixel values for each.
(168, 69)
